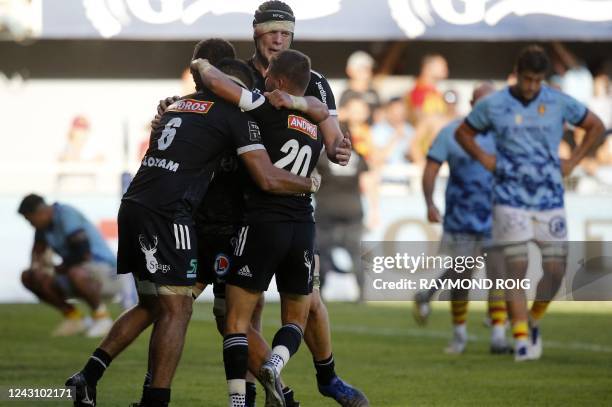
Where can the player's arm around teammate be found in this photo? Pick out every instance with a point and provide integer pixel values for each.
(221, 85)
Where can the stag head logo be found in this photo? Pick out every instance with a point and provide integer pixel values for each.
(308, 263)
(149, 252)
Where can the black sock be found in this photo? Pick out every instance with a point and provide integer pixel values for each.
(146, 384)
(290, 336)
(288, 396)
(251, 394)
(156, 397)
(235, 356)
(325, 370)
(95, 366)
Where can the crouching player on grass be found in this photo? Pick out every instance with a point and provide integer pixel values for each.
(87, 271)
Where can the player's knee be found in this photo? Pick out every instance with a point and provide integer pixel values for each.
(27, 279)
(316, 306)
(77, 274)
(176, 307)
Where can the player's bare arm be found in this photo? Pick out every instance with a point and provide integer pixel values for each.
(310, 105)
(337, 147)
(594, 128)
(275, 180)
(429, 181)
(38, 251)
(217, 81)
(465, 137)
(267, 177)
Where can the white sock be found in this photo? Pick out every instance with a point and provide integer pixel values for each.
(279, 357)
(460, 331)
(498, 333)
(236, 386)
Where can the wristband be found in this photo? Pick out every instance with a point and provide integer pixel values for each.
(315, 184)
(298, 103)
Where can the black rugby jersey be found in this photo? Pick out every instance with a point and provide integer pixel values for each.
(185, 150)
(293, 143)
(222, 209)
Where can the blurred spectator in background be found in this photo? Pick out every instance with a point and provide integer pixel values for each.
(87, 271)
(430, 125)
(571, 75)
(425, 98)
(601, 103)
(78, 144)
(187, 83)
(339, 213)
(353, 117)
(360, 70)
(391, 137)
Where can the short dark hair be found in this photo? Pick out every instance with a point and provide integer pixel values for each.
(292, 65)
(214, 50)
(239, 69)
(30, 204)
(260, 13)
(532, 58)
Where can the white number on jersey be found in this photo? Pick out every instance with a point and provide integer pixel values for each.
(300, 157)
(168, 133)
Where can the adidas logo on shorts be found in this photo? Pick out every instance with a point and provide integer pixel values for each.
(245, 272)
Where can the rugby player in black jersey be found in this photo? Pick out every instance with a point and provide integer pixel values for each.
(273, 31)
(278, 239)
(157, 240)
(279, 236)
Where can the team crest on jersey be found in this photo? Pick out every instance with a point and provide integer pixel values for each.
(542, 109)
(222, 265)
(191, 106)
(254, 133)
(300, 124)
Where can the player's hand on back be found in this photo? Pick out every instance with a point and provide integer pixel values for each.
(279, 99)
(343, 151)
(161, 109)
(433, 215)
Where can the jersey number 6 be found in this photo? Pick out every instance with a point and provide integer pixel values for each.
(168, 133)
(295, 155)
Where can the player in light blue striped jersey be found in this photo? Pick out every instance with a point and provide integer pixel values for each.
(467, 225)
(527, 120)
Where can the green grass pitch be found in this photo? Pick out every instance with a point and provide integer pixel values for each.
(377, 347)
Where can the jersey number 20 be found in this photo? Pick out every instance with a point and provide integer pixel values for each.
(168, 133)
(300, 157)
